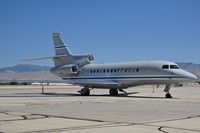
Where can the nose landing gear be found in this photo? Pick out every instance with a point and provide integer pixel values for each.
(168, 95)
(167, 88)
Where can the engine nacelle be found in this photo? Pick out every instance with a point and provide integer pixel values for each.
(67, 70)
(81, 60)
(90, 57)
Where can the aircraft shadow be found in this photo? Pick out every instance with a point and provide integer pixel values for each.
(54, 94)
(127, 95)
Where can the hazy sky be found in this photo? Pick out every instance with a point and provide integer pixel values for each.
(112, 30)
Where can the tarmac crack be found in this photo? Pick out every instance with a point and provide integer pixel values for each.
(176, 119)
(108, 124)
(65, 117)
(43, 116)
(160, 128)
(23, 117)
(78, 128)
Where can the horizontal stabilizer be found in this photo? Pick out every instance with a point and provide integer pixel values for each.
(44, 58)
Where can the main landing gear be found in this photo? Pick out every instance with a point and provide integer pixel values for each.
(167, 88)
(114, 92)
(85, 91)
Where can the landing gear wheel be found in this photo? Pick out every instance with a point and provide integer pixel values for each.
(167, 88)
(113, 92)
(85, 92)
(168, 95)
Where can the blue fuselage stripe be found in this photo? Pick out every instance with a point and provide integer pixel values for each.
(122, 77)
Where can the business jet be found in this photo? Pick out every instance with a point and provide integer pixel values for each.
(78, 70)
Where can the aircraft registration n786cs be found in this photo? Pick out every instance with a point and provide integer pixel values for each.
(78, 70)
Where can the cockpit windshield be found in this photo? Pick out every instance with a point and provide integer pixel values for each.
(165, 67)
(174, 67)
(170, 66)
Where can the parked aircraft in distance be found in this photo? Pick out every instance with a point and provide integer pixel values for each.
(78, 70)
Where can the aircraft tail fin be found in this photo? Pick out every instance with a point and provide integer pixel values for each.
(63, 56)
(59, 45)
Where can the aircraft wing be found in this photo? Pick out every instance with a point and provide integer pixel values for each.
(33, 81)
(97, 84)
(81, 83)
(106, 83)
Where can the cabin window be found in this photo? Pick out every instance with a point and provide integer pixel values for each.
(107, 70)
(174, 67)
(137, 70)
(118, 70)
(111, 70)
(122, 69)
(90, 71)
(94, 71)
(165, 67)
(115, 70)
(133, 69)
(125, 70)
(97, 71)
(104, 70)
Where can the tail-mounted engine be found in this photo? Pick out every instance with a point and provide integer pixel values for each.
(82, 60)
(67, 70)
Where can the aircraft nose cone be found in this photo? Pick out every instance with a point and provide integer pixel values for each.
(194, 77)
(191, 76)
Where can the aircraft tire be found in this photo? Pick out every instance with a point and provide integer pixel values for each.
(168, 95)
(85, 92)
(113, 92)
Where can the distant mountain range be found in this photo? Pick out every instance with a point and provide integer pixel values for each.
(36, 72)
(27, 72)
(24, 68)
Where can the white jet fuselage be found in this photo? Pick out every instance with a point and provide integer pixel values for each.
(124, 75)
